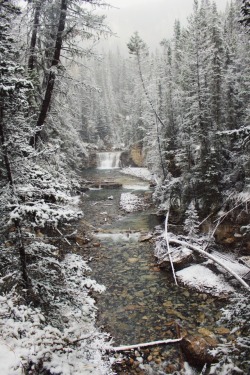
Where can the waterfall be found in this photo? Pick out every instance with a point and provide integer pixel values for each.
(108, 160)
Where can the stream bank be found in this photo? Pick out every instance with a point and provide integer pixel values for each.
(141, 303)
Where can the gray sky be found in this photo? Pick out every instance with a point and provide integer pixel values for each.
(153, 19)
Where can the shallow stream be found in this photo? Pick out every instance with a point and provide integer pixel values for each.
(141, 302)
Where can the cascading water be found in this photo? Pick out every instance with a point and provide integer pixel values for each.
(108, 160)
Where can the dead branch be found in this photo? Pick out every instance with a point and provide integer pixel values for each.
(169, 252)
(144, 345)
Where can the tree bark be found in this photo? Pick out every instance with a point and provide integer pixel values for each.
(31, 61)
(52, 75)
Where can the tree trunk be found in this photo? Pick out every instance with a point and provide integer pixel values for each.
(52, 75)
(31, 61)
(157, 117)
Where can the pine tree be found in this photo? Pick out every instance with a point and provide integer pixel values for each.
(191, 223)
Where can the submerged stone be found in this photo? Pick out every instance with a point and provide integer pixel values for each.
(197, 350)
(133, 260)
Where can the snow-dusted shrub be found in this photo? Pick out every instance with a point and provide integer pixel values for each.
(234, 355)
(72, 345)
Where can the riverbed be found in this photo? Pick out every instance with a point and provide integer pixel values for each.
(141, 302)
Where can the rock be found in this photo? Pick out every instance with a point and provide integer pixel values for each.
(139, 359)
(157, 361)
(176, 313)
(82, 240)
(145, 238)
(132, 260)
(180, 258)
(196, 349)
(229, 240)
(105, 185)
(83, 189)
(170, 369)
(156, 269)
(222, 331)
(206, 333)
(242, 218)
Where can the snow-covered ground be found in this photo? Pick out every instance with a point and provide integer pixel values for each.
(204, 280)
(210, 276)
(27, 337)
(143, 173)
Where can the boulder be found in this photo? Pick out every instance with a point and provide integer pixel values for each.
(146, 237)
(197, 349)
(81, 240)
(180, 258)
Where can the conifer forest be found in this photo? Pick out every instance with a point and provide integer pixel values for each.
(125, 184)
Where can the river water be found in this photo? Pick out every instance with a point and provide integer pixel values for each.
(141, 302)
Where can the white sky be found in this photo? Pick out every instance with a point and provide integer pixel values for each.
(153, 19)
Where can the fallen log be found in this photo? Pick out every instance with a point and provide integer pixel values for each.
(169, 252)
(144, 345)
(207, 255)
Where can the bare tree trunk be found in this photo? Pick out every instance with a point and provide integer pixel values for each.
(157, 117)
(52, 75)
(31, 61)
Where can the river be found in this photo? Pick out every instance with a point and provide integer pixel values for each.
(141, 302)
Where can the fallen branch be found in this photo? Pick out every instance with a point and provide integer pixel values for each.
(169, 252)
(207, 255)
(144, 345)
(65, 239)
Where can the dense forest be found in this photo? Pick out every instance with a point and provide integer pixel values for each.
(185, 106)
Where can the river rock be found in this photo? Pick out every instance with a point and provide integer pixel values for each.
(222, 330)
(145, 238)
(180, 258)
(81, 240)
(133, 260)
(196, 349)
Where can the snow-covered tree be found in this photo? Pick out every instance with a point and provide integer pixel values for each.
(47, 316)
(191, 223)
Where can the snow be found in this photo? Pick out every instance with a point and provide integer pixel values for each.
(136, 187)
(76, 348)
(129, 202)
(143, 173)
(230, 260)
(116, 237)
(205, 280)
(8, 360)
